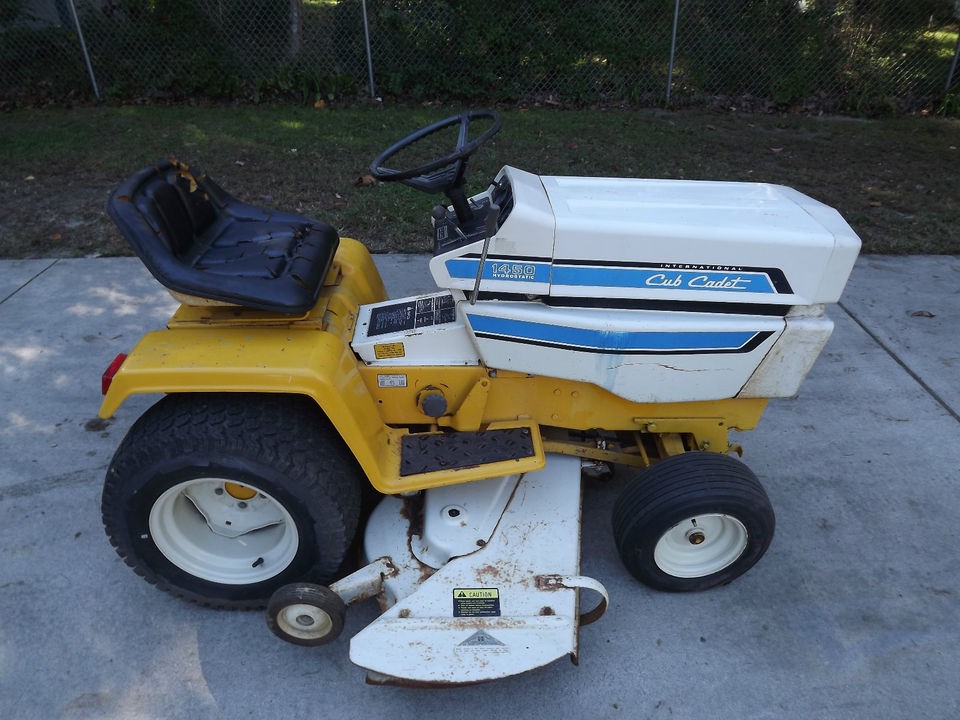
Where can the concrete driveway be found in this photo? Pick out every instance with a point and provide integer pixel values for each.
(853, 613)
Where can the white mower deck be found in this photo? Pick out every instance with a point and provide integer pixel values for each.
(506, 602)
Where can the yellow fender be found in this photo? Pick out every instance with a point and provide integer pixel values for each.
(226, 349)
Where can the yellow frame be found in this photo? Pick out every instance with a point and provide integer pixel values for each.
(228, 349)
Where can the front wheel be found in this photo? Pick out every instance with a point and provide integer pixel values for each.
(692, 522)
(221, 499)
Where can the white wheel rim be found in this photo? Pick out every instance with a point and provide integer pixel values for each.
(304, 622)
(701, 545)
(203, 529)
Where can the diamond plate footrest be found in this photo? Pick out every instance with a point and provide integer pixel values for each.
(432, 452)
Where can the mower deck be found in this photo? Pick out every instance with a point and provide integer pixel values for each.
(508, 604)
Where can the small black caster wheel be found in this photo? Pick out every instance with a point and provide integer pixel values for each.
(306, 614)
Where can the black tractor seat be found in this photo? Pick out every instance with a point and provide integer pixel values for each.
(200, 241)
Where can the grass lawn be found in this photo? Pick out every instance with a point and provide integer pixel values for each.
(896, 181)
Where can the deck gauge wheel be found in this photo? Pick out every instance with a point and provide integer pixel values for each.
(306, 614)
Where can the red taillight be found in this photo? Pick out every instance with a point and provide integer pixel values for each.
(109, 373)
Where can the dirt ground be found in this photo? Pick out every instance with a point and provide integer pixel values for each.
(895, 181)
(66, 215)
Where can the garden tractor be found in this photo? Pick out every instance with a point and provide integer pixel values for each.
(308, 420)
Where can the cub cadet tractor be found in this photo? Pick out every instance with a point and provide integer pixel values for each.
(578, 322)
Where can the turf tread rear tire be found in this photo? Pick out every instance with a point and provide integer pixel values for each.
(284, 438)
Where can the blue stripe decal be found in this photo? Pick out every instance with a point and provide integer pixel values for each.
(661, 279)
(609, 341)
(515, 270)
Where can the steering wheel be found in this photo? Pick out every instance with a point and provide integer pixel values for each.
(445, 174)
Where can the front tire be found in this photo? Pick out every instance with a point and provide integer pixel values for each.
(222, 499)
(692, 522)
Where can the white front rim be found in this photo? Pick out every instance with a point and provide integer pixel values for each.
(213, 535)
(701, 545)
(304, 622)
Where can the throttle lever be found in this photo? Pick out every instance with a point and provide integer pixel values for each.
(493, 214)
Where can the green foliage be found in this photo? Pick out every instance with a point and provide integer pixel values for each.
(305, 83)
(9, 10)
(782, 52)
(863, 52)
(498, 50)
(170, 49)
(865, 56)
(159, 48)
(950, 107)
(785, 50)
(892, 15)
(42, 62)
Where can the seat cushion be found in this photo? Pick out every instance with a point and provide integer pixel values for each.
(198, 240)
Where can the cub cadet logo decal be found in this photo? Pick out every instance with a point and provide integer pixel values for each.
(667, 277)
(698, 282)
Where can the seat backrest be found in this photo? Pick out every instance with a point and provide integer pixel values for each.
(175, 207)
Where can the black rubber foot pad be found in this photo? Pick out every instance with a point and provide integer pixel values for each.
(453, 451)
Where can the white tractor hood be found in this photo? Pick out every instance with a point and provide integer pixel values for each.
(681, 240)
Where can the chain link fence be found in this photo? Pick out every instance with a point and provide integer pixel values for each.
(833, 55)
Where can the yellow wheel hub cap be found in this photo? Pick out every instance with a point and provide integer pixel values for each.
(240, 492)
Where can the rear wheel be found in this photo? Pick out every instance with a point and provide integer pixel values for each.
(692, 522)
(221, 499)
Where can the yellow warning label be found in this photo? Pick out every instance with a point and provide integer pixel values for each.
(476, 602)
(476, 593)
(385, 351)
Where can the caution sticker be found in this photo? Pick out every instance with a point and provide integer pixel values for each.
(476, 602)
(385, 351)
